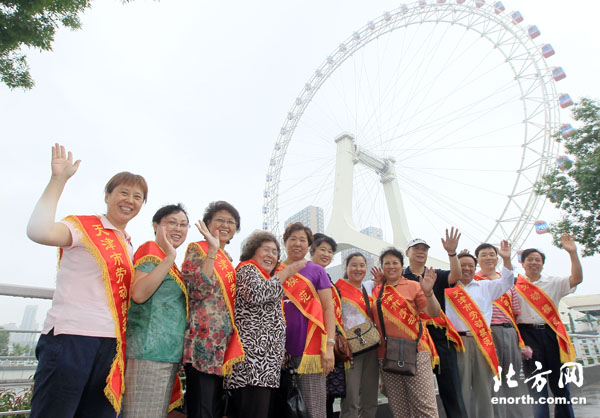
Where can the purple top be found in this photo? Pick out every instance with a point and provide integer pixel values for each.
(296, 323)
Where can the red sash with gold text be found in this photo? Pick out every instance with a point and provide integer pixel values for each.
(402, 314)
(545, 308)
(110, 252)
(442, 321)
(504, 303)
(225, 273)
(301, 292)
(150, 252)
(471, 315)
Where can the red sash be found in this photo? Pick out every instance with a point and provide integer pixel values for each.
(353, 296)
(150, 252)
(225, 273)
(402, 314)
(337, 309)
(504, 303)
(442, 321)
(301, 292)
(110, 252)
(545, 308)
(471, 315)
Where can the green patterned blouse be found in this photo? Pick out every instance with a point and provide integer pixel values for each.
(156, 327)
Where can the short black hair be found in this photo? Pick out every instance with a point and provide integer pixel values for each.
(214, 207)
(463, 255)
(391, 251)
(485, 246)
(526, 253)
(169, 210)
(320, 238)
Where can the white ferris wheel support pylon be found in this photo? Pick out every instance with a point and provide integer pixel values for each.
(341, 223)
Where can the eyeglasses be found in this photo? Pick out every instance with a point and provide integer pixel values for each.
(175, 224)
(270, 250)
(228, 222)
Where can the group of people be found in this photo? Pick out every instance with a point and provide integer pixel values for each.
(122, 322)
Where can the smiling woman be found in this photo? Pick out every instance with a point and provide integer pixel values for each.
(157, 319)
(81, 351)
(259, 319)
(212, 344)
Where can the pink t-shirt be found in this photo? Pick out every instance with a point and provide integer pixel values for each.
(80, 305)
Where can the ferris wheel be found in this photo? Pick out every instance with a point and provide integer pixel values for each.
(457, 99)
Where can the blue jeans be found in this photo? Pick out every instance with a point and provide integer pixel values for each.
(71, 375)
(545, 350)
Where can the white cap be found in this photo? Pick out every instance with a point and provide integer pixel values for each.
(417, 241)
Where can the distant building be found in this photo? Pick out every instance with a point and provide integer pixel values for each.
(27, 323)
(311, 216)
(581, 313)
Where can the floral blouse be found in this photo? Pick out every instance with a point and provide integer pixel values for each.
(208, 327)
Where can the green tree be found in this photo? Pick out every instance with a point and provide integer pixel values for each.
(574, 187)
(20, 350)
(4, 342)
(31, 23)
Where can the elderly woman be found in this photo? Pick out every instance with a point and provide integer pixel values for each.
(81, 352)
(409, 396)
(309, 315)
(157, 318)
(259, 319)
(211, 344)
(362, 379)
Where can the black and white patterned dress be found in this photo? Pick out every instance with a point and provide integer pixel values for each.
(261, 325)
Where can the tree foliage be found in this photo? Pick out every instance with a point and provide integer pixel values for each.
(33, 24)
(574, 188)
(4, 343)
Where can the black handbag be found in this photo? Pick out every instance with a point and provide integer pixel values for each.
(336, 381)
(400, 353)
(287, 401)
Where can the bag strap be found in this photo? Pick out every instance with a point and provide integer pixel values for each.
(382, 323)
(366, 301)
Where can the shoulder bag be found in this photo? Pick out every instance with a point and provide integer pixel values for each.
(400, 353)
(363, 337)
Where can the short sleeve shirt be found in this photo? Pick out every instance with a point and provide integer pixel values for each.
(296, 323)
(554, 287)
(80, 304)
(441, 284)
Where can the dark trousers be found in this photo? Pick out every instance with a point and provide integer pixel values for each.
(447, 376)
(252, 401)
(203, 394)
(545, 350)
(71, 375)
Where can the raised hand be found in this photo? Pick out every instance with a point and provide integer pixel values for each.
(291, 269)
(213, 242)
(164, 243)
(377, 273)
(450, 244)
(428, 280)
(63, 166)
(568, 243)
(504, 250)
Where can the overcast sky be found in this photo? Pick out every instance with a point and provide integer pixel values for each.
(192, 94)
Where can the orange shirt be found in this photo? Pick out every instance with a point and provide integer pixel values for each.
(412, 292)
